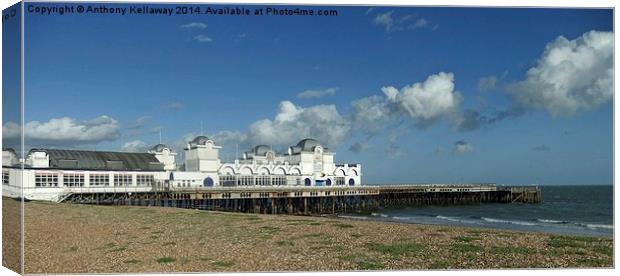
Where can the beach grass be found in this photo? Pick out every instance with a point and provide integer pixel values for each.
(125, 239)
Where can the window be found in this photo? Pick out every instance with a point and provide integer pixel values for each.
(263, 180)
(99, 180)
(145, 180)
(226, 195)
(73, 180)
(245, 180)
(122, 179)
(228, 180)
(339, 180)
(5, 177)
(278, 180)
(46, 180)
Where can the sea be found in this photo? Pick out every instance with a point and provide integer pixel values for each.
(570, 210)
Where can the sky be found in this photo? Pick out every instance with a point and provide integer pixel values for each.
(441, 95)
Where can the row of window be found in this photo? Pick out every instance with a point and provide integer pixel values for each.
(45, 179)
(260, 180)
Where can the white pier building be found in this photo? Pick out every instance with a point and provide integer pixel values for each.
(50, 174)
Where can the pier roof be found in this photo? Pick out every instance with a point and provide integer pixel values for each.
(101, 160)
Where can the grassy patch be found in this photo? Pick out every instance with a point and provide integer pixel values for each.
(343, 225)
(118, 249)
(466, 247)
(284, 243)
(315, 223)
(603, 249)
(370, 265)
(223, 263)
(396, 249)
(512, 249)
(440, 265)
(589, 262)
(73, 248)
(165, 260)
(466, 239)
(269, 230)
(355, 235)
(313, 235)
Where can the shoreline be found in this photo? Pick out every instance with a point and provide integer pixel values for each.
(473, 226)
(70, 238)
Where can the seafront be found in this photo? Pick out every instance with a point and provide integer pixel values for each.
(70, 238)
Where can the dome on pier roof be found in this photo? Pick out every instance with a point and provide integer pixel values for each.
(261, 150)
(159, 148)
(200, 140)
(308, 144)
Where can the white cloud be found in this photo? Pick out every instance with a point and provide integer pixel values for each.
(420, 103)
(385, 19)
(203, 38)
(135, 146)
(64, 131)
(317, 93)
(570, 76)
(462, 147)
(429, 100)
(293, 123)
(194, 25)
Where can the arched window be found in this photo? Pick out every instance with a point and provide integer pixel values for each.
(307, 182)
(328, 182)
(208, 182)
(351, 182)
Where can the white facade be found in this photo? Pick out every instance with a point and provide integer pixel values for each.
(305, 164)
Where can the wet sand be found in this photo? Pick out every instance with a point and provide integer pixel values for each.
(66, 238)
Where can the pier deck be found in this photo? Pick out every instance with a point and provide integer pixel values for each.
(313, 200)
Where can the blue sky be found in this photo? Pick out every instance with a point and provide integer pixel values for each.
(111, 81)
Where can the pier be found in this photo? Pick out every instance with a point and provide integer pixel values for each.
(312, 200)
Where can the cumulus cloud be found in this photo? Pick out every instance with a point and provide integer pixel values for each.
(462, 147)
(429, 100)
(293, 123)
(203, 38)
(64, 131)
(317, 93)
(194, 25)
(420, 104)
(570, 76)
(134, 146)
